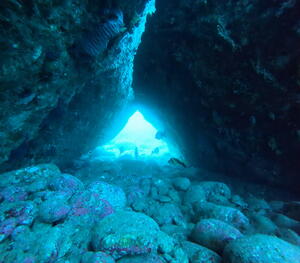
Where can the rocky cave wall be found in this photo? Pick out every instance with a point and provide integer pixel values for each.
(225, 76)
(65, 75)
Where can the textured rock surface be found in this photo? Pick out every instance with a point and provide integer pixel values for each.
(226, 93)
(129, 233)
(214, 234)
(233, 90)
(261, 249)
(229, 215)
(50, 97)
(78, 219)
(199, 254)
(54, 219)
(126, 233)
(113, 194)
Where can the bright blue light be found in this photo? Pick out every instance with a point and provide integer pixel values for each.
(137, 139)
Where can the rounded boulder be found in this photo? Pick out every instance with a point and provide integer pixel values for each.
(261, 249)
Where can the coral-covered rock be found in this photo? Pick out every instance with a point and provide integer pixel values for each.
(46, 243)
(112, 193)
(200, 254)
(227, 214)
(53, 210)
(32, 178)
(13, 194)
(129, 233)
(24, 212)
(90, 204)
(261, 249)
(66, 183)
(214, 234)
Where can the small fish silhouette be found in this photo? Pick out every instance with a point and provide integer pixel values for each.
(176, 161)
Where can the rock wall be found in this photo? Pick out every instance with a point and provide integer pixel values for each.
(57, 99)
(225, 76)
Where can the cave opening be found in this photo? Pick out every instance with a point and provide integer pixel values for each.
(139, 140)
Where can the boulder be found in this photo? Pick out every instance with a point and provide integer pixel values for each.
(200, 254)
(66, 183)
(53, 210)
(263, 224)
(261, 249)
(227, 214)
(128, 233)
(181, 183)
(111, 193)
(214, 234)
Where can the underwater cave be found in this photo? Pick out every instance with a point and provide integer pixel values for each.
(149, 131)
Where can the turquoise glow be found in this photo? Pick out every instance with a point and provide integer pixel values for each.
(137, 140)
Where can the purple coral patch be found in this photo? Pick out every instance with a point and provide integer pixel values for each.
(89, 202)
(66, 183)
(13, 194)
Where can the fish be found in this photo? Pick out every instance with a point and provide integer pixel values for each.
(155, 150)
(96, 40)
(175, 161)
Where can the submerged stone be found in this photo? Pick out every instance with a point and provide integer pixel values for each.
(112, 193)
(130, 233)
(200, 254)
(261, 249)
(53, 210)
(229, 215)
(181, 183)
(214, 234)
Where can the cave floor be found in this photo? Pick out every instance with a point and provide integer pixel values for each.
(141, 211)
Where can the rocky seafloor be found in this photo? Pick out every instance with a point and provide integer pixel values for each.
(139, 211)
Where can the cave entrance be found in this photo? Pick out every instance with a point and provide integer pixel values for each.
(139, 139)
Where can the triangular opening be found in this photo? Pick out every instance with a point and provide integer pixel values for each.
(139, 139)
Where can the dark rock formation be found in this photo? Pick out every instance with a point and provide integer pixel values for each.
(56, 105)
(225, 75)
